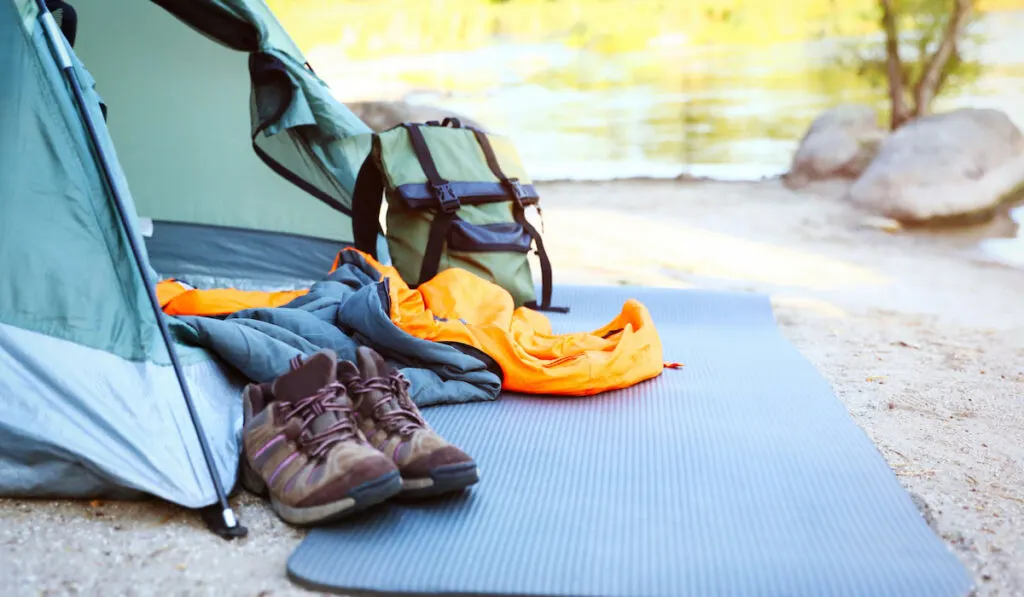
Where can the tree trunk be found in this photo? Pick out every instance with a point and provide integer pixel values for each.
(932, 76)
(894, 67)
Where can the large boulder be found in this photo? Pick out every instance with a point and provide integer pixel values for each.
(382, 115)
(956, 166)
(839, 144)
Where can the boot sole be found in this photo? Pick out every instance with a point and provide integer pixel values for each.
(443, 479)
(357, 499)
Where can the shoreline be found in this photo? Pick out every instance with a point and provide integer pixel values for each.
(999, 223)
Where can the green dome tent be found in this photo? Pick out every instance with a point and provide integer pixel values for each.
(178, 138)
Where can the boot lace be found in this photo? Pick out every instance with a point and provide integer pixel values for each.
(309, 408)
(403, 419)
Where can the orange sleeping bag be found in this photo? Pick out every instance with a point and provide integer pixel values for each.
(179, 299)
(458, 306)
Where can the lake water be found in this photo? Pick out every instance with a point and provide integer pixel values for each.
(650, 102)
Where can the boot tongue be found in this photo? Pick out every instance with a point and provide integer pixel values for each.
(307, 379)
(372, 365)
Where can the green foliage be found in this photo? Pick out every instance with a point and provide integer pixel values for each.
(921, 25)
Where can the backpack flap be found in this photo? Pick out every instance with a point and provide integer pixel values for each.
(457, 159)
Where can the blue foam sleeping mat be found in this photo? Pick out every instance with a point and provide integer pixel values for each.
(739, 474)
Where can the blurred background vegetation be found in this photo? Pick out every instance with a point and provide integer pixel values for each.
(611, 88)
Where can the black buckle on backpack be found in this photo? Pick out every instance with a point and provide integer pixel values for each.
(517, 190)
(446, 198)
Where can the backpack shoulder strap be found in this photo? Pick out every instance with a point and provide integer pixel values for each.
(366, 201)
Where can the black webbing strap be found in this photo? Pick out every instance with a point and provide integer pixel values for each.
(519, 212)
(366, 201)
(447, 204)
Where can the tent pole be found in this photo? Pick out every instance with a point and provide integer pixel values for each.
(226, 524)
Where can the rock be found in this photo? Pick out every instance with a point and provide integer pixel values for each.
(839, 144)
(955, 167)
(382, 115)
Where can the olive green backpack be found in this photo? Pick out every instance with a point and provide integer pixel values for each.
(456, 197)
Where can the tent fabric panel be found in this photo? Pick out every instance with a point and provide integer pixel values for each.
(33, 469)
(293, 125)
(80, 423)
(243, 25)
(299, 124)
(216, 22)
(68, 269)
(274, 34)
(181, 250)
(184, 133)
(28, 11)
(343, 158)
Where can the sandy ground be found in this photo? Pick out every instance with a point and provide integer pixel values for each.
(921, 338)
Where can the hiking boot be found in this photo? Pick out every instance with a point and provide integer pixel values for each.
(302, 447)
(393, 424)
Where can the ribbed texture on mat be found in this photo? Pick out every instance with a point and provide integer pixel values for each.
(740, 474)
